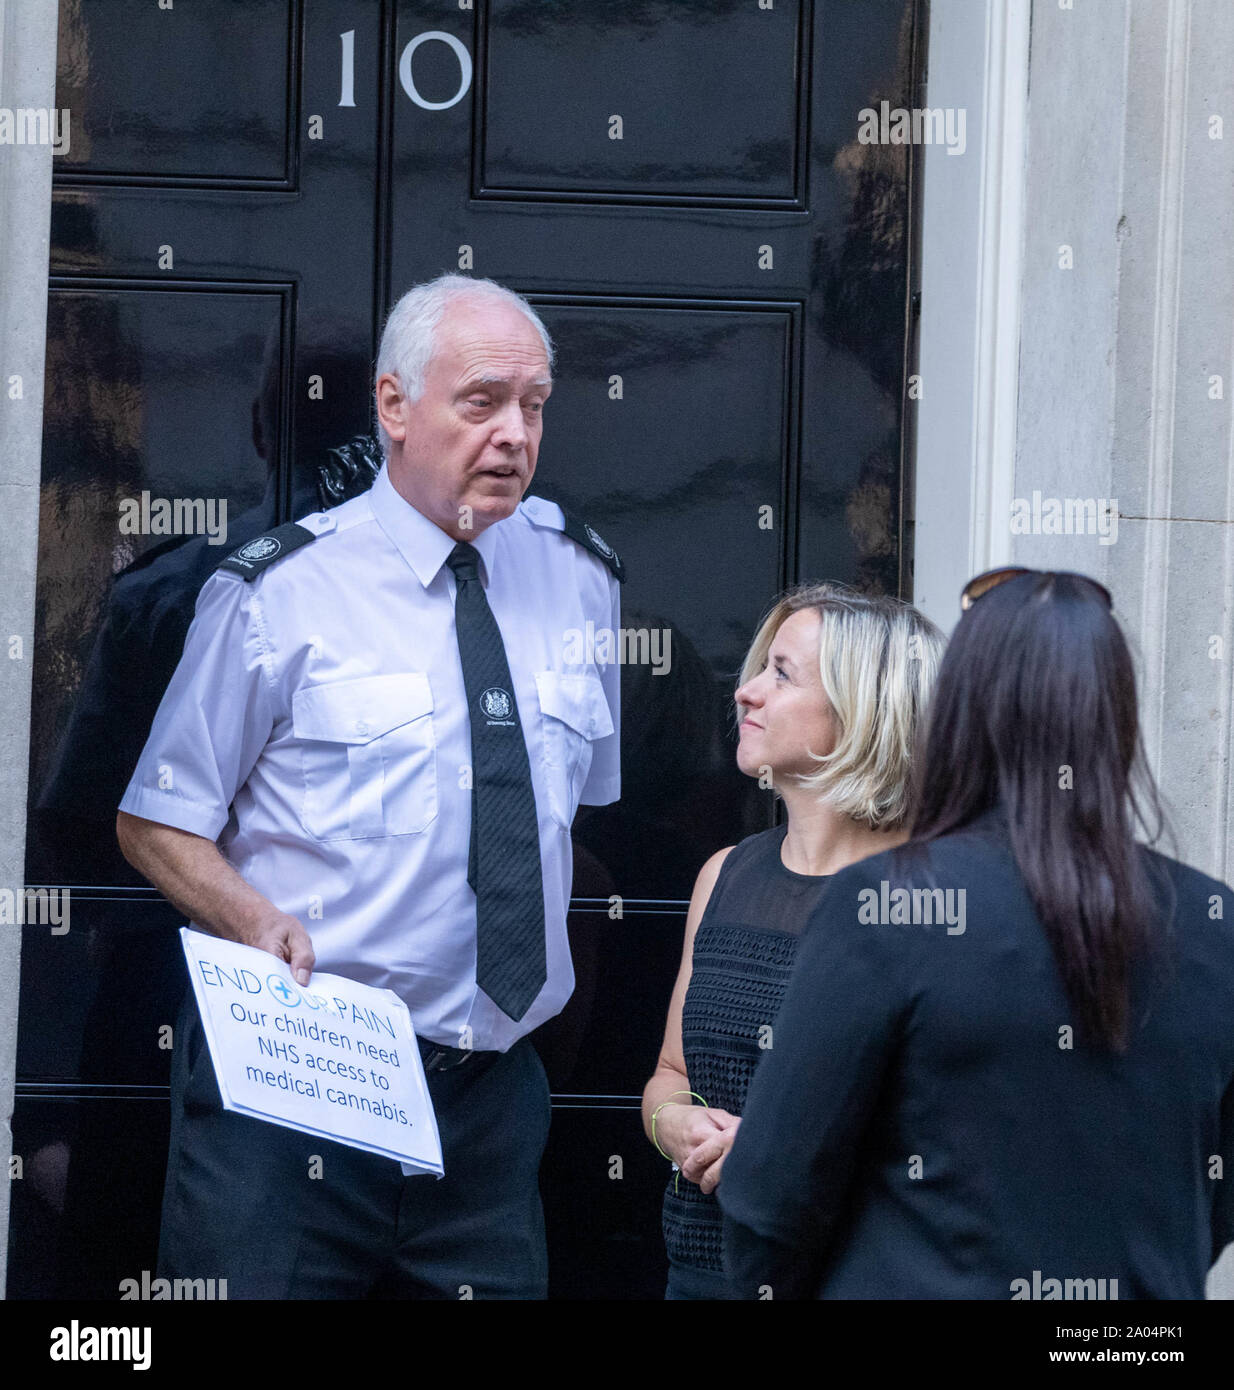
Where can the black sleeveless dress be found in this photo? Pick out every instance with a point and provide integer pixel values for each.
(743, 956)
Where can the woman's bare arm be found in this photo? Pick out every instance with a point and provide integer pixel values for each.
(681, 1124)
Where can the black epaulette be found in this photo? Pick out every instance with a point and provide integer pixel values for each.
(262, 551)
(590, 539)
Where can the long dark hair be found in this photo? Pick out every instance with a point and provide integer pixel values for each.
(1035, 708)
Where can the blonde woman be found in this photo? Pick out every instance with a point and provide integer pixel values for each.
(830, 700)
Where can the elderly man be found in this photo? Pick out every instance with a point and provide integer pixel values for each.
(367, 762)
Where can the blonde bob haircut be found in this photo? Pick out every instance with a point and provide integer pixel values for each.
(878, 658)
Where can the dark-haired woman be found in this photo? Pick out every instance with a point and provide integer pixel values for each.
(1004, 1065)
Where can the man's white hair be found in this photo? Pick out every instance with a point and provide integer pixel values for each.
(407, 341)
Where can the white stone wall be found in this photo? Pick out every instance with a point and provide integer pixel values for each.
(27, 79)
(1126, 382)
(1126, 375)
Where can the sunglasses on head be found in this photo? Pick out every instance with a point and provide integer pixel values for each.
(991, 579)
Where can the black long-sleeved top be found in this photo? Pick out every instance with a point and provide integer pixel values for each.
(926, 1126)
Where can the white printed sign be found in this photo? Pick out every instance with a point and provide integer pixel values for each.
(334, 1058)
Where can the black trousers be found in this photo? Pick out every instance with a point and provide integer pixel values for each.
(280, 1214)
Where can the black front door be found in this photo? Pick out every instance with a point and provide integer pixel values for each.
(680, 189)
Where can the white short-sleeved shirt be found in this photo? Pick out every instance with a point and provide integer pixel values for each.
(317, 727)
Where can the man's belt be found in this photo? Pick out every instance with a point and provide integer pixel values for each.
(441, 1057)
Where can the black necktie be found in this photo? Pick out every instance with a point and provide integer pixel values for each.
(503, 865)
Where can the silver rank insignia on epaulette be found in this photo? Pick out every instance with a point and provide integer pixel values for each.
(262, 551)
(590, 539)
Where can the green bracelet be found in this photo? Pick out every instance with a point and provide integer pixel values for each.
(656, 1142)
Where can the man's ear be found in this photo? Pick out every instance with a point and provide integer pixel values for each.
(390, 398)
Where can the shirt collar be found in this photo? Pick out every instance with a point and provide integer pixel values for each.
(421, 542)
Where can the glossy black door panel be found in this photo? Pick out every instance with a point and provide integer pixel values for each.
(202, 92)
(85, 1212)
(716, 379)
(719, 379)
(160, 455)
(605, 1035)
(154, 387)
(78, 1019)
(603, 1185)
(676, 100)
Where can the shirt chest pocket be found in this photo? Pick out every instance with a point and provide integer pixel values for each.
(368, 755)
(574, 714)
